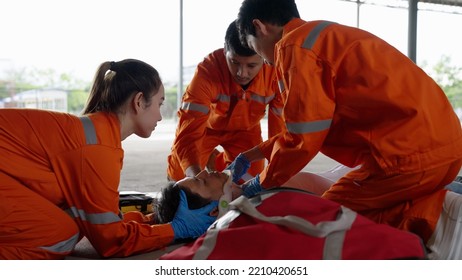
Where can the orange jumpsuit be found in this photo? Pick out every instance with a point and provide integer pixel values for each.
(58, 184)
(216, 111)
(360, 101)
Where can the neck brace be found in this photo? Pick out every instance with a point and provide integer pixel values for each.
(226, 198)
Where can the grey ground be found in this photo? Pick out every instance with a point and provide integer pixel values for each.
(145, 161)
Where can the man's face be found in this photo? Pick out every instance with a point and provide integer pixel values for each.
(205, 184)
(243, 68)
(262, 46)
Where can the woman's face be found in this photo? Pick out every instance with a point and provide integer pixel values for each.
(150, 115)
(205, 184)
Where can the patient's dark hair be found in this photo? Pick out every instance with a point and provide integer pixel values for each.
(170, 200)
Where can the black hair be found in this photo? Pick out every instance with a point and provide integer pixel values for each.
(233, 43)
(277, 12)
(170, 200)
(115, 82)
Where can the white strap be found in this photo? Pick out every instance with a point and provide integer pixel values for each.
(210, 239)
(344, 220)
(227, 197)
(334, 231)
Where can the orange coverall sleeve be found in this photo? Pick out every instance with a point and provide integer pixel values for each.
(275, 120)
(307, 113)
(95, 206)
(193, 116)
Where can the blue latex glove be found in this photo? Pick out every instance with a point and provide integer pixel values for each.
(252, 187)
(192, 223)
(455, 187)
(239, 167)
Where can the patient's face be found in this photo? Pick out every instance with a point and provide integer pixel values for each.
(207, 185)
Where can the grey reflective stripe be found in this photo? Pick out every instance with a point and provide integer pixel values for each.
(223, 98)
(262, 99)
(194, 107)
(308, 127)
(63, 246)
(277, 111)
(281, 86)
(89, 129)
(94, 219)
(314, 34)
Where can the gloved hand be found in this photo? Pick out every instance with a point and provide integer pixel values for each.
(239, 167)
(252, 187)
(192, 223)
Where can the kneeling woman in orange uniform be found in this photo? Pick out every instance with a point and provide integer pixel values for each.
(59, 173)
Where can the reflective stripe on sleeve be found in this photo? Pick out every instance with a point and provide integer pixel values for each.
(281, 86)
(277, 111)
(314, 34)
(94, 219)
(262, 99)
(194, 107)
(223, 98)
(308, 127)
(89, 130)
(63, 246)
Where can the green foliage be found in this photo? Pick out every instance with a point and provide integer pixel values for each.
(15, 82)
(449, 78)
(170, 104)
(23, 79)
(76, 100)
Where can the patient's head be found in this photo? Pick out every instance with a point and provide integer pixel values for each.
(200, 190)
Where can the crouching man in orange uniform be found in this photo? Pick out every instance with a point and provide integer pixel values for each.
(227, 98)
(358, 100)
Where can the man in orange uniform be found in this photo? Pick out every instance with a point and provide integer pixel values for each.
(59, 174)
(223, 106)
(361, 102)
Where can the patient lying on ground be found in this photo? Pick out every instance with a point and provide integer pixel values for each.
(200, 190)
(446, 242)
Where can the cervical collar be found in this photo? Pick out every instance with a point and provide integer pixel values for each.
(226, 198)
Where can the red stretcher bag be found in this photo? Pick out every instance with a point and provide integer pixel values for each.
(288, 224)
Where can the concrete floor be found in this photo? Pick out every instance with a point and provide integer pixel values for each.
(145, 161)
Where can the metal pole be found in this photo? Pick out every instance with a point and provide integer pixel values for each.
(180, 79)
(358, 6)
(412, 29)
